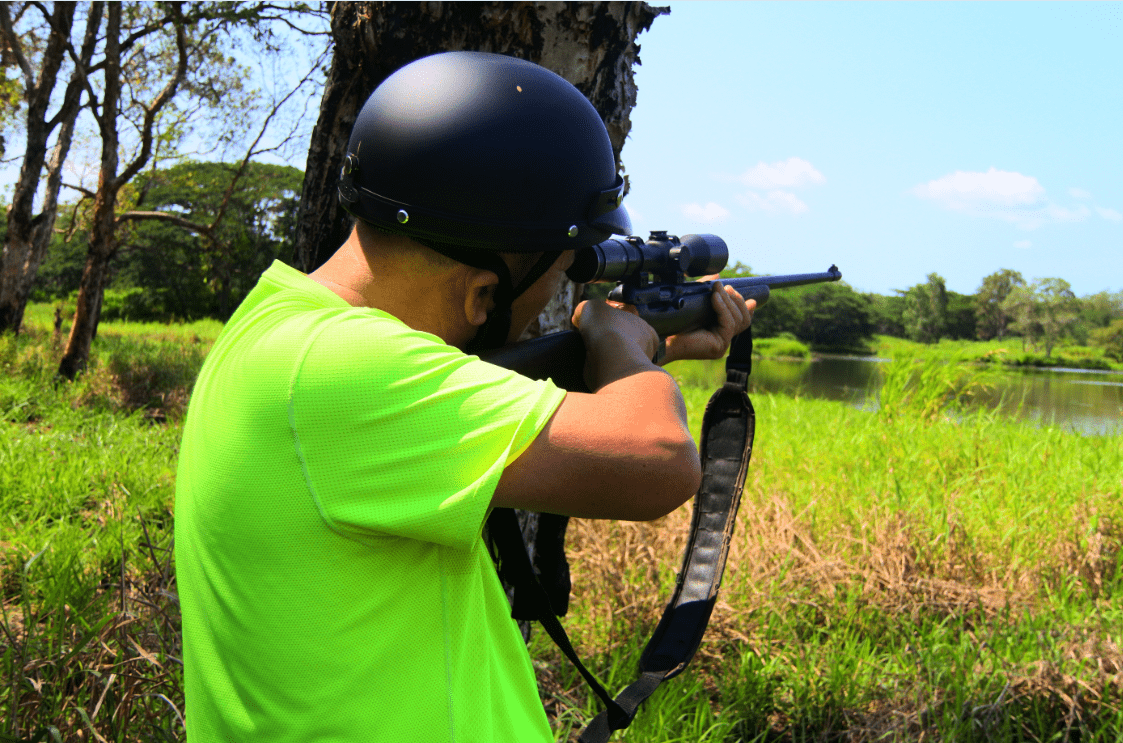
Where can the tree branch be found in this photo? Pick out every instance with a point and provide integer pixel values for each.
(80, 69)
(14, 45)
(161, 100)
(73, 94)
(252, 151)
(202, 229)
(84, 191)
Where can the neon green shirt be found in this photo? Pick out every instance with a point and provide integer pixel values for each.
(334, 478)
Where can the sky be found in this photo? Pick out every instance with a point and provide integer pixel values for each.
(893, 139)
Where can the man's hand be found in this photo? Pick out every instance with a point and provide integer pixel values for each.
(734, 316)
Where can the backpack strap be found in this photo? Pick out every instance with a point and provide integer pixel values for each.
(728, 427)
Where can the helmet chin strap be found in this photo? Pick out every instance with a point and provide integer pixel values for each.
(493, 333)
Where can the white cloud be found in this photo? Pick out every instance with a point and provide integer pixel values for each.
(1109, 214)
(999, 194)
(774, 201)
(791, 173)
(968, 192)
(1023, 244)
(1079, 193)
(709, 213)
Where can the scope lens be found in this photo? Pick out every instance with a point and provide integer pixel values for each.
(588, 264)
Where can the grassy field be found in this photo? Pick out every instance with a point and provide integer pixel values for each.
(894, 576)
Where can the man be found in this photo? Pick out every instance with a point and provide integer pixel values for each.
(342, 452)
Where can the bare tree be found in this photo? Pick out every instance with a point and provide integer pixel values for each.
(151, 53)
(592, 45)
(105, 109)
(29, 233)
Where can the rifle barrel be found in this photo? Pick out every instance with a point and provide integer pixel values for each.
(781, 282)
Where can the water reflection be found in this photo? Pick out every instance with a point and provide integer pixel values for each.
(1086, 401)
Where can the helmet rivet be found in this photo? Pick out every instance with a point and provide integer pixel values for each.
(403, 216)
(572, 231)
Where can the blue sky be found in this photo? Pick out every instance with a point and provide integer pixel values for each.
(894, 139)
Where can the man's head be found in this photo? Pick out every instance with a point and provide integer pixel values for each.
(477, 155)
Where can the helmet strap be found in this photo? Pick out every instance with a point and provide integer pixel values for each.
(493, 333)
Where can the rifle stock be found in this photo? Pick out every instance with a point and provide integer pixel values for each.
(557, 356)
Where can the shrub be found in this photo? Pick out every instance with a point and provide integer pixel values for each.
(1110, 339)
(781, 347)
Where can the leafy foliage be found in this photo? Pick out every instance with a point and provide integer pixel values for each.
(960, 317)
(925, 314)
(1043, 312)
(164, 270)
(888, 313)
(992, 318)
(1111, 339)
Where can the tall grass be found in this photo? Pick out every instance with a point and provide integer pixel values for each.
(915, 573)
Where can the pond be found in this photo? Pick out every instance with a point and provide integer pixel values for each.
(1089, 402)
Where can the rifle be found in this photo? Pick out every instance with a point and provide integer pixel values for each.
(671, 305)
(651, 276)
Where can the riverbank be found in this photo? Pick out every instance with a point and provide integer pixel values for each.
(1005, 353)
(893, 575)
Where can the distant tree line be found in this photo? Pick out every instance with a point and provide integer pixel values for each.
(175, 268)
(834, 317)
(1042, 313)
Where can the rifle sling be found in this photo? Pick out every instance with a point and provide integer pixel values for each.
(728, 427)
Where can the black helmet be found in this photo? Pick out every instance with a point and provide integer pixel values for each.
(471, 153)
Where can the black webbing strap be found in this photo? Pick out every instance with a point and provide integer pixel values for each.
(728, 427)
(515, 569)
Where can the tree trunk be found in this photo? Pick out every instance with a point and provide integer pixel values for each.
(592, 45)
(23, 250)
(103, 237)
(101, 246)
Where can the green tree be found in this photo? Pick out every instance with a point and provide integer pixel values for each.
(143, 99)
(1042, 313)
(202, 249)
(1110, 338)
(1096, 311)
(960, 316)
(782, 313)
(833, 316)
(887, 313)
(925, 313)
(37, 41)
(991, 317)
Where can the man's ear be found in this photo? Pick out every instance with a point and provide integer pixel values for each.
(479, 298)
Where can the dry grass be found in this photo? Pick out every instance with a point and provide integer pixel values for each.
(845, 578)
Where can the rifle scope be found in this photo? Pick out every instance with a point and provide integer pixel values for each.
(668, 257)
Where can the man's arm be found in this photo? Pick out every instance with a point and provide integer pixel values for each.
(624, 452)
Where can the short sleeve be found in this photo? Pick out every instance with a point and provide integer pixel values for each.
(402, 435)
